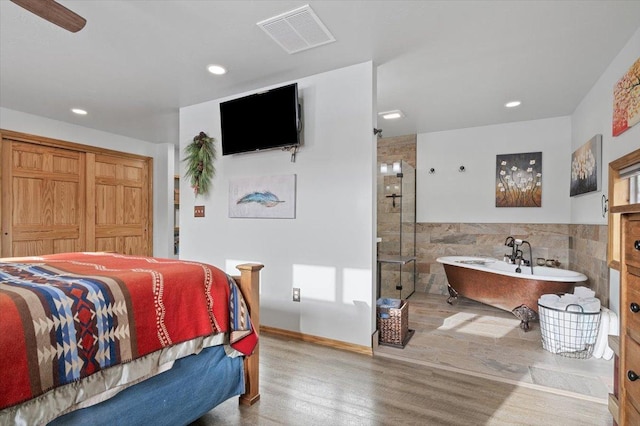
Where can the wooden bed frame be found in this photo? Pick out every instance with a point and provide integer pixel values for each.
(249, 283)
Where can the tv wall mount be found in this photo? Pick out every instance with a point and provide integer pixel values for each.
(293, 149)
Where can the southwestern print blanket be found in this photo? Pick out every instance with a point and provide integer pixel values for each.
(64, 317)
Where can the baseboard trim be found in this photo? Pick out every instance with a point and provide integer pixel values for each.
(323, 341)
(375, 340)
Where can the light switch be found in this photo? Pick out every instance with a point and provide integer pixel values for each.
(198, 211)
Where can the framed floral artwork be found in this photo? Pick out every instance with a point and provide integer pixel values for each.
(519, 180)
(586, 167)
(626, 100)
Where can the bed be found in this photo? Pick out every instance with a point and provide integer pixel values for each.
(104, 338)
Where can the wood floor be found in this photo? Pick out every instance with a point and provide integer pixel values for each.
(307, 384)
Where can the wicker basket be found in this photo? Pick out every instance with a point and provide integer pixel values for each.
(393, 323)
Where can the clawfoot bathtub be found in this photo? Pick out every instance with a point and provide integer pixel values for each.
(495, 283)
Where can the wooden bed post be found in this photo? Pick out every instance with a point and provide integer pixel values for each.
(250, 286)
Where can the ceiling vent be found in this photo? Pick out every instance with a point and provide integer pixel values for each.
(297, 30)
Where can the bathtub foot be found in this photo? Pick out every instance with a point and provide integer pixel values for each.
(453, 295)
(525, 314)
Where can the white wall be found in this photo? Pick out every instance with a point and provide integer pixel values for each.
(593, 116)
(328, 249)
(450, 196)
(163, 208)
(162, 155)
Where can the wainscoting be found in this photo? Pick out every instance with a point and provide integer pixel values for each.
(581, 248)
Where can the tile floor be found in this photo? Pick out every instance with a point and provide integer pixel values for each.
(473, 338)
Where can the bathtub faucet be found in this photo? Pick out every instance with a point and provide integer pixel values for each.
(511, 242)
(519, 261)
(519, 255)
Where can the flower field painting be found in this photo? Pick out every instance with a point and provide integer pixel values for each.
(519, 180)
(626, 100)
(586, 167)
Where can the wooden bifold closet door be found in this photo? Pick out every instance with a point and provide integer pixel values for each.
(120, 202)
(60, 197)
(43, 199)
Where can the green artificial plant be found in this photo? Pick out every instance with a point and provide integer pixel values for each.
(200, 155)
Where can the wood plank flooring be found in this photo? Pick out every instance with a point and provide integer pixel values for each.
(307, 384)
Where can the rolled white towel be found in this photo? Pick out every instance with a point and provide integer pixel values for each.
(561, 302)
(549, 300)
(549, 297)
(573, 303)
(591, 304)
(614, 330)
(603, 335)
(569, 298)
(583, 292)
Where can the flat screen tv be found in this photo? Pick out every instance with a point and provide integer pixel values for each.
(261, 121)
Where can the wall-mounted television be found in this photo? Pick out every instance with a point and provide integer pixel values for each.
(264, 120)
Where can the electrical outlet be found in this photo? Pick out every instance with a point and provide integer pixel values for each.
(198, 211)
(296, 294)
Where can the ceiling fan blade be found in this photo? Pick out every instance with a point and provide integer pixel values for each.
(55, 13)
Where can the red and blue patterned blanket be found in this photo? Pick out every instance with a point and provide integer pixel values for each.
(64, 317)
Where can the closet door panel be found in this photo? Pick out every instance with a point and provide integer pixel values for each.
(44, 207)
(65, 203)
(107, 244)
(122, 204)
(27, 248)
(106, 204)
(133, 244)
(27, 201)
(132, 213)
(64, 245)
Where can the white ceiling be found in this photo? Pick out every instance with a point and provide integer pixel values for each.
(446, 64)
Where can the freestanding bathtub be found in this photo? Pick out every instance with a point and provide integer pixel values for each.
(496, 283)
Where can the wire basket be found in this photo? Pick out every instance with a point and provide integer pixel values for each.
(570, 333)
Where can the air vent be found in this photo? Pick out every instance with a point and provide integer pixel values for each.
(297, 30)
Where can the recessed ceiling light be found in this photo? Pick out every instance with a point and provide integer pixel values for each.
(78, 111)
(512, 104)
(216, 69)
(391, 115)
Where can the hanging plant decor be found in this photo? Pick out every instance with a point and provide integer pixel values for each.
(200, 155)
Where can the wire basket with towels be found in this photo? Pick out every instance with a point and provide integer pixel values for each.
(570, 332)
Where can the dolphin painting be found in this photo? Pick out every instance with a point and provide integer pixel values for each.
(265, 198)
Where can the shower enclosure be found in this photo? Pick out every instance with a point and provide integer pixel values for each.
(396, 275)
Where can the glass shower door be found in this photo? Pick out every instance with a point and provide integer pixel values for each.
(396, 226)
